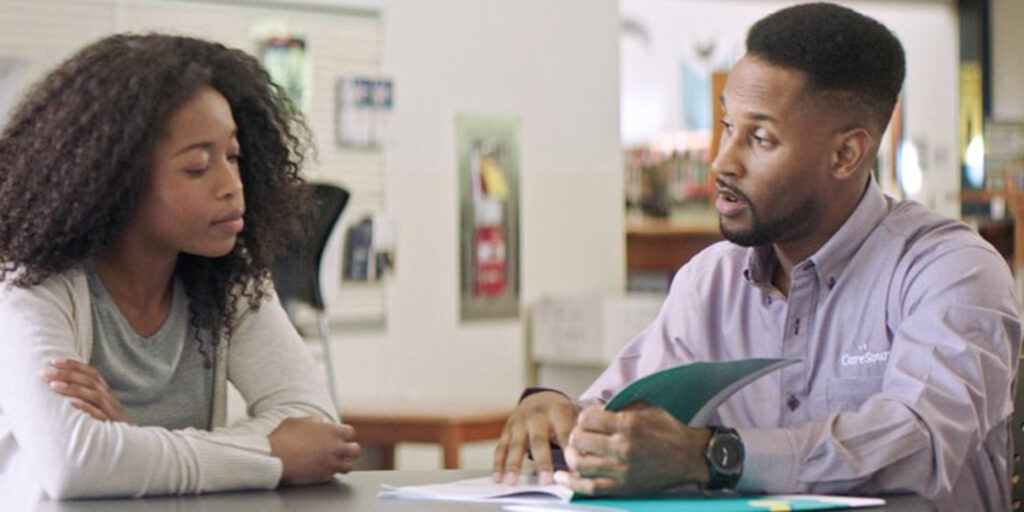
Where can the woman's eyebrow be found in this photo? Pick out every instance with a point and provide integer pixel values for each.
(205, 144)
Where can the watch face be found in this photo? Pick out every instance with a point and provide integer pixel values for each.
(727, 453)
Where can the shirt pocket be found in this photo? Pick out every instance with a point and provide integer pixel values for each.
(849, 393)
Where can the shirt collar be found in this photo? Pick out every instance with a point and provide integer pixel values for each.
(831, 258)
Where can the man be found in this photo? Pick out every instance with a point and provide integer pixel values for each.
(905, 323)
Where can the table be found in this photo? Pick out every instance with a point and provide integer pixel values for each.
(382, 426)
(355, 492)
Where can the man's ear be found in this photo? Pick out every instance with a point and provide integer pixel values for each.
(851, 149)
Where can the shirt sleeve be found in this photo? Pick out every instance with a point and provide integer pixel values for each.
(947, 386)
(74, 455)
(270, 365)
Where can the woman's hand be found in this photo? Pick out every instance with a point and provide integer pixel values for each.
(312, 450)
(86, 388)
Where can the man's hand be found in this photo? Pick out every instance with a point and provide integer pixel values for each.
(86, 388)
(633, 451)
(312, 450)
(540, 419)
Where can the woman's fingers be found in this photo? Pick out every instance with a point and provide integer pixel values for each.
(89, 409)
(84, 383)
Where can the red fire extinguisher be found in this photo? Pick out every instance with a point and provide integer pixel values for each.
(489, 251)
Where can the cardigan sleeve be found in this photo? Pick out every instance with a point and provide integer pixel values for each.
(270, 365)
(73, 455)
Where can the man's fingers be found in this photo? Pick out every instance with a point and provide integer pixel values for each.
(571, 457)
(589, 443)
(596, 419)
(514, 457)
(500, 452)
(589, 486)
(563, 422)
(540, 449)
(596, 466)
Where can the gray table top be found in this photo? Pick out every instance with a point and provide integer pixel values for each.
(355, 492)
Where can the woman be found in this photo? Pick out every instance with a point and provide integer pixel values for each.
(145, 186)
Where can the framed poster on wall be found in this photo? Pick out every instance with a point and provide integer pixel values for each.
(488, 160)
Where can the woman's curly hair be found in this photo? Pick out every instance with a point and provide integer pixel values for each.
(76, 154)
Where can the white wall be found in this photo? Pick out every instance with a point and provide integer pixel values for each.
(554, 65)
(1007, 17)
(927, 29)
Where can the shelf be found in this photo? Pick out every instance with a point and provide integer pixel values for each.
(664, 245)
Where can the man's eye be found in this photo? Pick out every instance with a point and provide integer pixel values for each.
(196, 172)
(762, 142)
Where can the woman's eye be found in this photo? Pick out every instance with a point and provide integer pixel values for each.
(234, 158)
(196, 172)
(727, 126)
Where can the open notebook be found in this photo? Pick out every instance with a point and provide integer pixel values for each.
(483, 489)
(530, 497)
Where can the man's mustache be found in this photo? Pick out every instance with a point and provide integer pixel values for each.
(722, 185)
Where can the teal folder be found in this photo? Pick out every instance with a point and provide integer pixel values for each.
(691, 392)
(705, 504)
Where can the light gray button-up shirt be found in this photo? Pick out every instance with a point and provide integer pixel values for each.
(907, 329)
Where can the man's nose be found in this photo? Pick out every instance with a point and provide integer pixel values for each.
(726, 162)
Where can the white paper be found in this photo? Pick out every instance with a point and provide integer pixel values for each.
(481, 489)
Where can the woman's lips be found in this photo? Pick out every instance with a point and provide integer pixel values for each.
(231, 224)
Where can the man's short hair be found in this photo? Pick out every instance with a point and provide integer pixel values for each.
(855, 60)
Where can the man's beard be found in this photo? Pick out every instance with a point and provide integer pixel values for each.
(761, 232)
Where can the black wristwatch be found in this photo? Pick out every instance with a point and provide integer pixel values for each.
(724, 455)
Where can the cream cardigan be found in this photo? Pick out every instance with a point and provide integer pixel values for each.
(50, 448)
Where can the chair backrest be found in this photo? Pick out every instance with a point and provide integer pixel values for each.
(297, 273)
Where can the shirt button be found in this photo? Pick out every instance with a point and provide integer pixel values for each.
(831, 282)
(792, 402)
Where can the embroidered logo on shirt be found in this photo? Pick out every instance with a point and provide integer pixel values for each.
(864, 357)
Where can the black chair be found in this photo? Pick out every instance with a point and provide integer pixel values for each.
(297, 273)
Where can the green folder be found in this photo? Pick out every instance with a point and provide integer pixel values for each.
(691, 392)
(702, 504)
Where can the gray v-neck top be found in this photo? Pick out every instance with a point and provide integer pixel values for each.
(160, 380)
